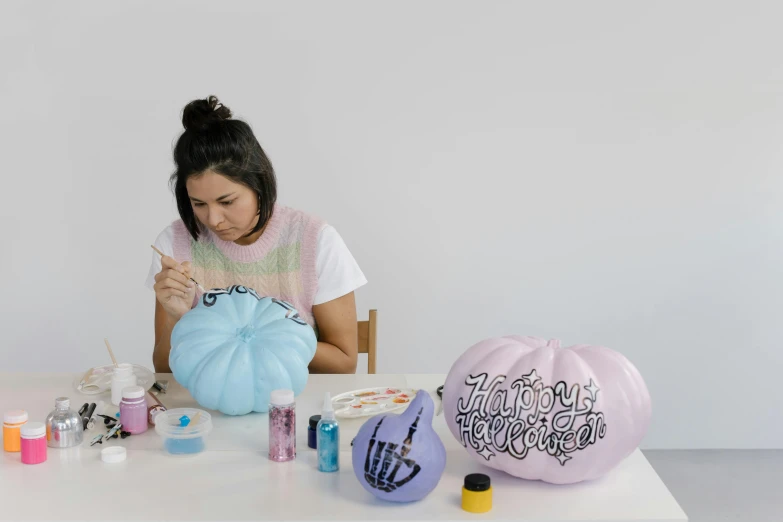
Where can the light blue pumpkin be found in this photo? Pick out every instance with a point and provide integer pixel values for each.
(235, 347)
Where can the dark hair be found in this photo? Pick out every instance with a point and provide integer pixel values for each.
(213, 141)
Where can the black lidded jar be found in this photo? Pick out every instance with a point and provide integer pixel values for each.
(311, 441)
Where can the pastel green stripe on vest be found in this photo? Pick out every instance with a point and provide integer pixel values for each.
(284, 258)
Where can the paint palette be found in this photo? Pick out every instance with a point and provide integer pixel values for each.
(99, 380)
(371, 401)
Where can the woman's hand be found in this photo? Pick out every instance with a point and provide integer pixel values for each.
(173, 288)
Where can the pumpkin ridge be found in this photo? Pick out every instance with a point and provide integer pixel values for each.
(239, 348)
(207, 364)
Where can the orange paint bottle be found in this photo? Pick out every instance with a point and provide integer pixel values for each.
(12, 424)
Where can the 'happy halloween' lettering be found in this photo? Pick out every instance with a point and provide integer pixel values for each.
(516, 420)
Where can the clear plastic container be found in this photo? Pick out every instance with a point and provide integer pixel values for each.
(179, 440)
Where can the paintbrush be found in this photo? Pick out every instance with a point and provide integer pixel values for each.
(197, 283)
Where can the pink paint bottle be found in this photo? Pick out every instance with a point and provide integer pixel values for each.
(133, 410)
(33, 438)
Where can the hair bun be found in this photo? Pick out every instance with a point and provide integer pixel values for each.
(200, 113)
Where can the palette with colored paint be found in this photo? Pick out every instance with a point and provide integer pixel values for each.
(371, 401)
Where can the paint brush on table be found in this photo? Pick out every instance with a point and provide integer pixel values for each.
(197, 283)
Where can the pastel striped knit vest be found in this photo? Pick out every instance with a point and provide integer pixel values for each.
(281, 263)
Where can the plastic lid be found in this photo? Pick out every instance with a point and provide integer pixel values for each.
(327, 412)
(33, 430)
(15, 417)
(477, 482)
(281, 397)
(113, 454)
(132, 392)
(62, 403)
(314, 421)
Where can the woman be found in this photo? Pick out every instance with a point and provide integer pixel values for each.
(232, 231)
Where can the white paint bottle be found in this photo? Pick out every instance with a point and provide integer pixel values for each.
(121, 377)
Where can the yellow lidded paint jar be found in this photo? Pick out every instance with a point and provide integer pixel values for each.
(477, 493)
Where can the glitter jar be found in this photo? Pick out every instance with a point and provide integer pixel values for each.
(282, 426)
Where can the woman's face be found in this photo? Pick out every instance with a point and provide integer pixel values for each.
(228, 209)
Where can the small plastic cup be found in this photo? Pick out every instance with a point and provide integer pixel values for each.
(183, 440)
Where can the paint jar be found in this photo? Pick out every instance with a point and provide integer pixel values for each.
(282, 425)
(12, 422)
(183, 440)
(311, 432)
(122, 376)
(33, 435)
(133, 410)
(64, 426)
(477, 493)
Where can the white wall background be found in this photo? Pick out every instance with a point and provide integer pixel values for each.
(600, 172)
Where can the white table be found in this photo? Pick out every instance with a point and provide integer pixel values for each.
(234, 480)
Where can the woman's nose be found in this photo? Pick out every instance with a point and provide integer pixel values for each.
(214, 218)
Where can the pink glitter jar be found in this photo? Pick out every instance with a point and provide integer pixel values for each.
(282, 426)
(33, 439)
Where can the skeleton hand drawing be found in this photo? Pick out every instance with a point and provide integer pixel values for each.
(381, 467)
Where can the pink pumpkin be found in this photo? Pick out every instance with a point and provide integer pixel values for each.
(541, 412)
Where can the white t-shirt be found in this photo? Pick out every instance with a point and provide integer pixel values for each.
(337, 271)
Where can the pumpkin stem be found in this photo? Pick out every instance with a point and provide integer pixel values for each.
(554, 343)
(246, 332)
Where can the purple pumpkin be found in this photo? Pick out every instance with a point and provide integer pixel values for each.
(400, 458)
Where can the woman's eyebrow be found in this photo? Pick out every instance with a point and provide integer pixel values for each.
(224, 196)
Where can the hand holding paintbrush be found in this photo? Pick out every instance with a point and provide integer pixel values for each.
(174, 287)
(186, 270)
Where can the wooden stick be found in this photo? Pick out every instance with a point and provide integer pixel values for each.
(193, 422)
(158, 251)
(110, 352)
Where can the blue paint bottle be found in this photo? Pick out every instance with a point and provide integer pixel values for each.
(328, 438)
(312, 425)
